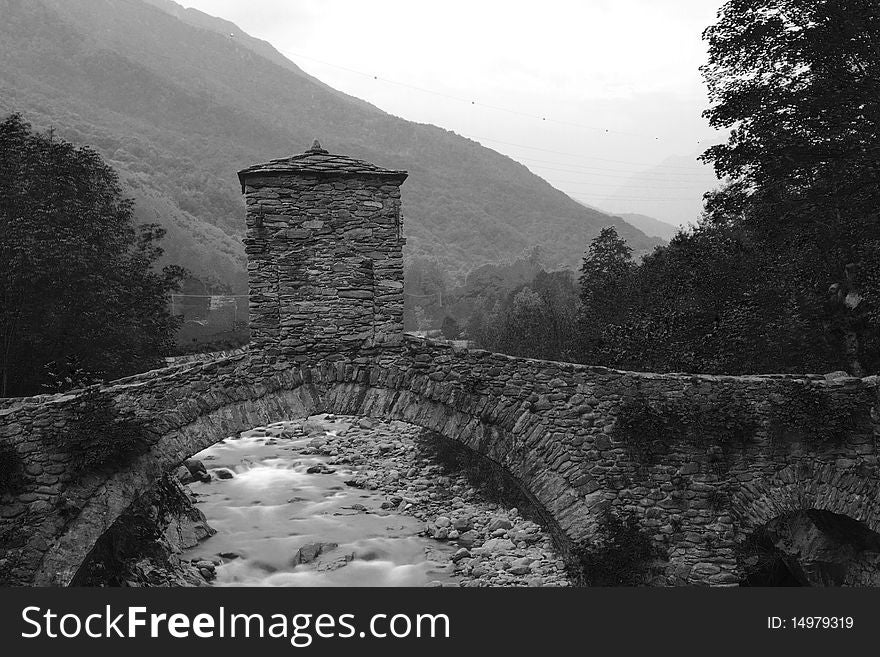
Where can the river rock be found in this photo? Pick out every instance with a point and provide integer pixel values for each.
(521, 566)
(310, 551)
(197, 470)
(462, 524)
(462, 553)
(497, 545)
(183, 475)
(498, 523)
(468, 538)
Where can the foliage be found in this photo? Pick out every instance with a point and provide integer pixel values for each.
(604, 273)
(80, 297)
(10, 469)
(537, 320)
(620, 554)
(718, 499)
(645, 430)
(799, 83)
(450, 328)
(136, 535)
(424, 290)
(782, 274)
(648, 428)
(802, 412)
(97, 434)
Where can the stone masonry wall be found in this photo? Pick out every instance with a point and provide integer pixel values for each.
(700, 462)
(324, 263)
(553, 426)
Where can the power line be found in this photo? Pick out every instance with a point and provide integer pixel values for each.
(606, 186)
(676, 184)
(579, 155)
(632, 198)
(576, 168)
(475, 103)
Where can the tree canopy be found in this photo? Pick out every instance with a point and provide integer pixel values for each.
(81, 300)
(799, 86)
(782, 271)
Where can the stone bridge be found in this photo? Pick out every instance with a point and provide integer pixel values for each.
(702, 463)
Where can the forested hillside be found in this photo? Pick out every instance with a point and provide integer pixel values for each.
(178, 103)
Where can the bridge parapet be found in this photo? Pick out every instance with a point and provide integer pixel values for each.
(697, 461)
(569, 434)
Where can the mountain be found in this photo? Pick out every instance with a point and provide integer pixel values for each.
(178, 101)
(649, 225)
(672, 191)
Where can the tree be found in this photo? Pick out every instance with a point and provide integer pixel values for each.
(81, 300)
(604, 279)
(799, 85)
(424, 287)
(450, 328)
(559, 295)
(604, 271)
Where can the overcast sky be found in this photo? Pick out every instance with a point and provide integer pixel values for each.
(590, 80)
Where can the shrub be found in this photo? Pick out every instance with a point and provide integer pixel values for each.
(718, 500)
(620, 554)
(800, 411)
(644, 429)
(648, 428)
(10, 470)
(97, 434)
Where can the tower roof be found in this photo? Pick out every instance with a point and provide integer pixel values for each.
(318, 160)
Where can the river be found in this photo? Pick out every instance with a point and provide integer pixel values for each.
(278, 524)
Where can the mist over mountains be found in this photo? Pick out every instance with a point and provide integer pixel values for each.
(178, 101)
(672, 191)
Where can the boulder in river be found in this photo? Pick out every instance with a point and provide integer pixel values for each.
(311, 551)
(197, 471)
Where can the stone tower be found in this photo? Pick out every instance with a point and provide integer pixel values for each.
(325, 263)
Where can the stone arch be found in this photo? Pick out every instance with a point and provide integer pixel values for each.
(802, 487)
(813, 525)
(552, 496)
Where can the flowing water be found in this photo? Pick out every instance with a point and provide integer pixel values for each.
(278, 525)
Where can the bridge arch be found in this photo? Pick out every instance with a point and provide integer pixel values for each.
(325, 278)
(214, 422)
(810, 526)
(802, 487)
